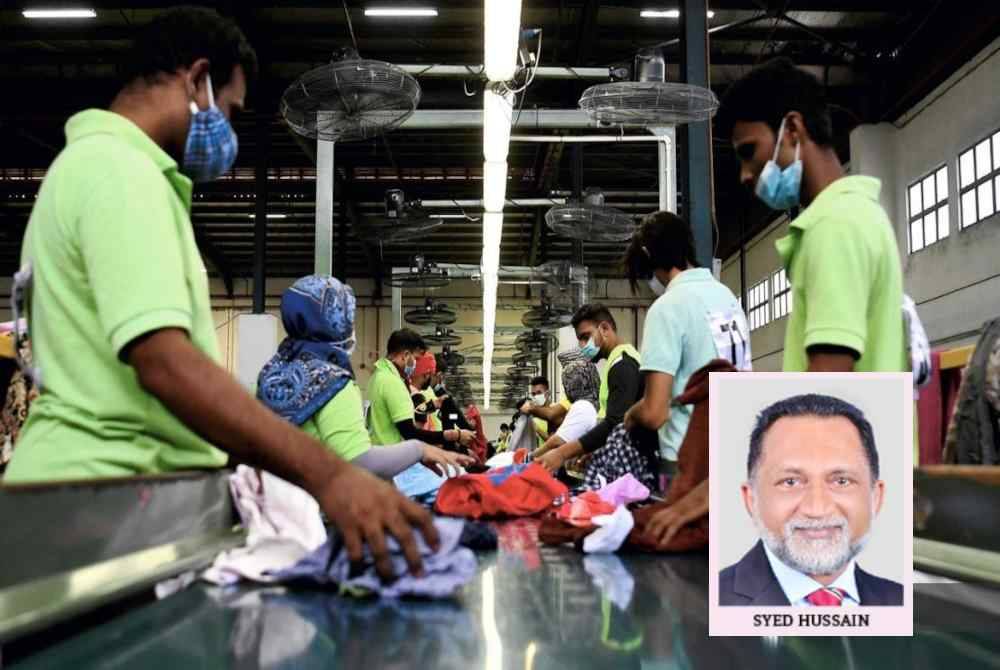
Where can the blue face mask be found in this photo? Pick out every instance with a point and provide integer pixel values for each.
(211, 143)
(779, 188)
(590, 349)
(410, 368)
(656, 286)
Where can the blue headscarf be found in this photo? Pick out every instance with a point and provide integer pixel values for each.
(313, 363)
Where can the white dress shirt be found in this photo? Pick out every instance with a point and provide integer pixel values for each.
(797, 585)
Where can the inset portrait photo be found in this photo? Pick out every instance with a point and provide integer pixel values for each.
(810, 513)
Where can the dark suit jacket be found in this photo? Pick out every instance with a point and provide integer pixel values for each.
(752, 583)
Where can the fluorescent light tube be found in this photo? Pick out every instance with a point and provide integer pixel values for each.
(59, 14)
(502, 24)
(498, 112)
(390, 12)
(494, 185)
(666, 14)
(492, 232)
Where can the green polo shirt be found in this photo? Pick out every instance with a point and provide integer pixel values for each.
(114, 257)
(390, 403)
(843, 264)
(340, 424)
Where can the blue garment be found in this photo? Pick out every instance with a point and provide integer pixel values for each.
(313, 363)
(445, 571)
(419, 482)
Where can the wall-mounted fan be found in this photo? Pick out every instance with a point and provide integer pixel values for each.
(350, 98)
(547, 316)
(432, 313)
(443, 335)
(650, 100)
(421, 274)
(590, 220)
(536, 342)
(402, 220)
(452, 358)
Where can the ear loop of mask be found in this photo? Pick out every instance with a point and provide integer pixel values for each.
(211, 96)
(19, 304)
(777, 146)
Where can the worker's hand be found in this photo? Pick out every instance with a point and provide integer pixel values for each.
(552, 461)
(665, 523)
(445, 463)
(525, 407)
(465, 437)
(364, 508)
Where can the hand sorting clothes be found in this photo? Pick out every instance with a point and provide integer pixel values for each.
(445, 571)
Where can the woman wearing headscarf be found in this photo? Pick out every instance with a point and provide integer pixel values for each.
(478, 444)
(310, 381)
(581, 383)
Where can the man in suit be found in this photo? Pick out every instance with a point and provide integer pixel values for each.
(812, 490)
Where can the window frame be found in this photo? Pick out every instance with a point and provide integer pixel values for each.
(776, 296)
(919, 216)
(762, 306)
(992, 177)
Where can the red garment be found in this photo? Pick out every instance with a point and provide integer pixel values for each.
(692, 469)
(426, 364)
(478, 444)
(931, 423)
(580, 510)
(520, 455)
(517, 490)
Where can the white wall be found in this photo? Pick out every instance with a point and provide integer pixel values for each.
(955, 282)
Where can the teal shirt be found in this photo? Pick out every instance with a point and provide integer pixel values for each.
(678, 340)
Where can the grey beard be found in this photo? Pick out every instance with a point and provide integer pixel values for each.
(812, 557)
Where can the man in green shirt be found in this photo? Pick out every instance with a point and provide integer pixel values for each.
(390, 417)
(840, 254)
(119, 309)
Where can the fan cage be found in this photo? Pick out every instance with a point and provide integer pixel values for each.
(589, 223)
(648, 103)
(395, 230)
(350, 100)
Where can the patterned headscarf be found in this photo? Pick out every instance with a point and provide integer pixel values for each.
(313, 363)
(581, 381)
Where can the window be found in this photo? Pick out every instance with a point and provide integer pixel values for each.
(760, 307)
(782, 292)
(927, 207)
(979, 180)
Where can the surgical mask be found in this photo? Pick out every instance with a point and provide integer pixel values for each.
(776, 187)
(211, 143)
(410, 368)
(590, 350)
(538, 399)
(656, 286)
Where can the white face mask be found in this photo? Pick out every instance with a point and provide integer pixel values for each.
(538, 399)
(656, 286)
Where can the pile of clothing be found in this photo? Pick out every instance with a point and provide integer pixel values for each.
(692, 469)
(287, 542)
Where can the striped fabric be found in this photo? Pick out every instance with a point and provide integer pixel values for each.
(829, 596)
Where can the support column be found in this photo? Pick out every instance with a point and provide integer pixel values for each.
(260, 212)
(666, 178)
(578, 195)
(324, 208)
(698, 205)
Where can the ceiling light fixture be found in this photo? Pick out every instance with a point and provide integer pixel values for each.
(59, 14)
(502, 23)
(666, 14)
(397, 12)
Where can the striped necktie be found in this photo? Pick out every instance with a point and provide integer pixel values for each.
(828, 596)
